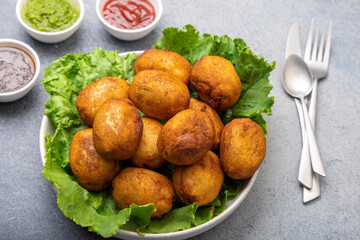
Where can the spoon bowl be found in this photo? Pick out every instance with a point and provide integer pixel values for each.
(298, 82)
(297, 78)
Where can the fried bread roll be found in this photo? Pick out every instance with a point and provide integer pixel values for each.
(199, 182)
(242, 148)
(216, 82)
(186, 137)
(94, 172)
(95, 94)
(117, 129)
(164, 60)
(158, 94)
(212, 114)
(148, 155)
(143, 186)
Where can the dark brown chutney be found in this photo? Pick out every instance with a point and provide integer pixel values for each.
(17, 68)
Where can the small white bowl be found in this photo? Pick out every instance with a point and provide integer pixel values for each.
(50, 37)
(17, 94)
(130, 35)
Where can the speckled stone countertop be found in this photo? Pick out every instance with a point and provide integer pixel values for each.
(273, 209)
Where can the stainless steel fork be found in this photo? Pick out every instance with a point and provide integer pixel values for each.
(318, 62)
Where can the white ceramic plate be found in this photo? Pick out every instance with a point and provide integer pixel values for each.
(231, 205)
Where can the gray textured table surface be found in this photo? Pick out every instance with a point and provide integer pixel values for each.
(273, 208)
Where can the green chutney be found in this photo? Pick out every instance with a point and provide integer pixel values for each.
(50, 15)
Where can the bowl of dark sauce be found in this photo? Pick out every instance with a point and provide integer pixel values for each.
(19, 69)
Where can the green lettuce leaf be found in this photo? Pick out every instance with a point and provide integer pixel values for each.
(67, 76)
(176, 220)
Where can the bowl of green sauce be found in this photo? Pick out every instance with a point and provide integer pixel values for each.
(50, 21)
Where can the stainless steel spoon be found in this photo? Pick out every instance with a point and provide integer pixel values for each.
(298, 82)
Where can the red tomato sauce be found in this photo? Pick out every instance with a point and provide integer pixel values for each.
(129, 14)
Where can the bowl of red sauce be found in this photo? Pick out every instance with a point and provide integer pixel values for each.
(129, 19)
(19, 69)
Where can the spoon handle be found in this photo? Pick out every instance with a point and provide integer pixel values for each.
(312, 105)
(316, 161)
(305, 172)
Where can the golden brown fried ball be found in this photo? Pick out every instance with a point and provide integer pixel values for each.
(148, 155)
(164, 60)
(94, 172)
(158, 94)
(117, 129)
(186, 137)
(92, 96)
(199, 182)
(216, 82)
(143, 186)
(201, 106)
(242, 148)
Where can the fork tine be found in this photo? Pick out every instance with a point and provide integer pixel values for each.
(328, 44)
(321, 47)
(313, 55)
(308, 43)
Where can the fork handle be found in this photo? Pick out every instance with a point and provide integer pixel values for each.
(312, 117)
(314, 191)
(310, 194)
(312, 104)
(313, 147)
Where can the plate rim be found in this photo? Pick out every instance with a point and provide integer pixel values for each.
(231, 205)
